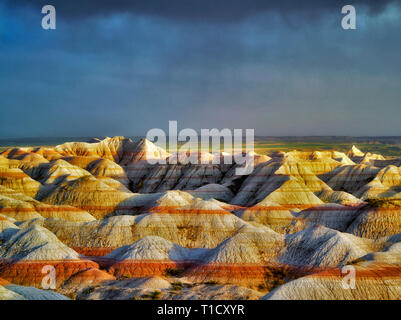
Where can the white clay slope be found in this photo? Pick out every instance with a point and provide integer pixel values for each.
(36, 243)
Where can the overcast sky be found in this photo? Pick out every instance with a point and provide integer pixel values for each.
(124, 67)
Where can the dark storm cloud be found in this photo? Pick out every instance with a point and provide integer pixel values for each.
(199, 10)
(106, 72)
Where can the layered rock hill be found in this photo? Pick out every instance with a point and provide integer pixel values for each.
(21, 207)
(24, 255)
(150, 256)
(103, 211)
(323, 247)
(247, 258)
(374, 282)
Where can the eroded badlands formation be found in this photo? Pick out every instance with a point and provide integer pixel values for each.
(114, 226)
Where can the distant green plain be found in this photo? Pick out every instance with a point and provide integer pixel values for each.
(386, 146)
